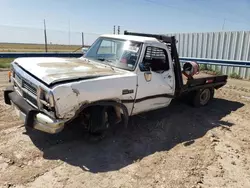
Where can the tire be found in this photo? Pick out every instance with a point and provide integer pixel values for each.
(212, 93)
(202, 97)
(97, 119)
(96, 125)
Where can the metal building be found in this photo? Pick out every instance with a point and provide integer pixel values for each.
(217, 45)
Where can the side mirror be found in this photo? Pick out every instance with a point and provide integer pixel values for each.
(144, 66)
(148, 76)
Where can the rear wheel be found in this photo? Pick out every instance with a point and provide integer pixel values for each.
(202, 97)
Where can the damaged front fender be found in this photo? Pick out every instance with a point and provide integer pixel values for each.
(69, 104)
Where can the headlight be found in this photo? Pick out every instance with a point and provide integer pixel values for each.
(45, 96)
(49, 97)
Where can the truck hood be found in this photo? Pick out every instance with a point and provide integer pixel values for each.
(52, 70)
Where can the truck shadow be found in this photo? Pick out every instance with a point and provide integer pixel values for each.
(151, 132)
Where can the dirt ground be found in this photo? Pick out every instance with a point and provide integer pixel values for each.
(178, 146)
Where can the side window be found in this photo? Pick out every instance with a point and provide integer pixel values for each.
(156, 59)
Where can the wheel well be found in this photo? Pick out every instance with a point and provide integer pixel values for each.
(195, 98)
(110, 105)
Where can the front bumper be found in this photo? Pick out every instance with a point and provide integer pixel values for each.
(31, 116)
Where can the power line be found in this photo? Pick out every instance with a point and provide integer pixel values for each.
(188, 11)
(55, 30)
(223, 25)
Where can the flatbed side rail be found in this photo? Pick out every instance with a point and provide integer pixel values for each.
(206, 82)
(197, 87)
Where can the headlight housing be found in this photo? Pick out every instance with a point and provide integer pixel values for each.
(49, 97)
(44, 98)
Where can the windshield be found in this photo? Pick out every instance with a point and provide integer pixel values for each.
(115, 52)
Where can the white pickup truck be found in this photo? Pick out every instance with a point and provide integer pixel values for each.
(119, 76)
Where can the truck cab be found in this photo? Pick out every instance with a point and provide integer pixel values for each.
(135, 54)
(119, 76)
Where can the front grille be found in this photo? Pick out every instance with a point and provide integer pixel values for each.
(19, 89)
(29, 98)
(29, 87)
(26, 85)
(18, 79)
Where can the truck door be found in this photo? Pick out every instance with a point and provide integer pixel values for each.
(156, 81)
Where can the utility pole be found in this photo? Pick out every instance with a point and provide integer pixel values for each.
(223, 24)
(118, 30)
(82, 39)
(45, 36)
(114, 30)
(69, 32)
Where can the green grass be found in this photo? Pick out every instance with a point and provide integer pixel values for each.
(216, 71)
(235, 75)
(19, 47)
(208, 69)
(5, 63)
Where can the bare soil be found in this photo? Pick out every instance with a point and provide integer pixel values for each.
(178, 146)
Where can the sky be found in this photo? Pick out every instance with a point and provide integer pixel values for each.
(22, 20)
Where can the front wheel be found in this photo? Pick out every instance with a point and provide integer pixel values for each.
(202, 97)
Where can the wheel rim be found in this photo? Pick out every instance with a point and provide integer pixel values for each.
(204, 96)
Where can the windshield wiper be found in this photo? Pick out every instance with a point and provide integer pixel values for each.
(103, 59)
(107, 60)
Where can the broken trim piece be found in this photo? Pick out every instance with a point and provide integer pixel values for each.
(148, 98)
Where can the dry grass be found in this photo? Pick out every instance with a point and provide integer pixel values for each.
(5, 63)
(20, 47)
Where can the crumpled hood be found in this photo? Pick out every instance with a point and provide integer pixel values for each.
(51, 70)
